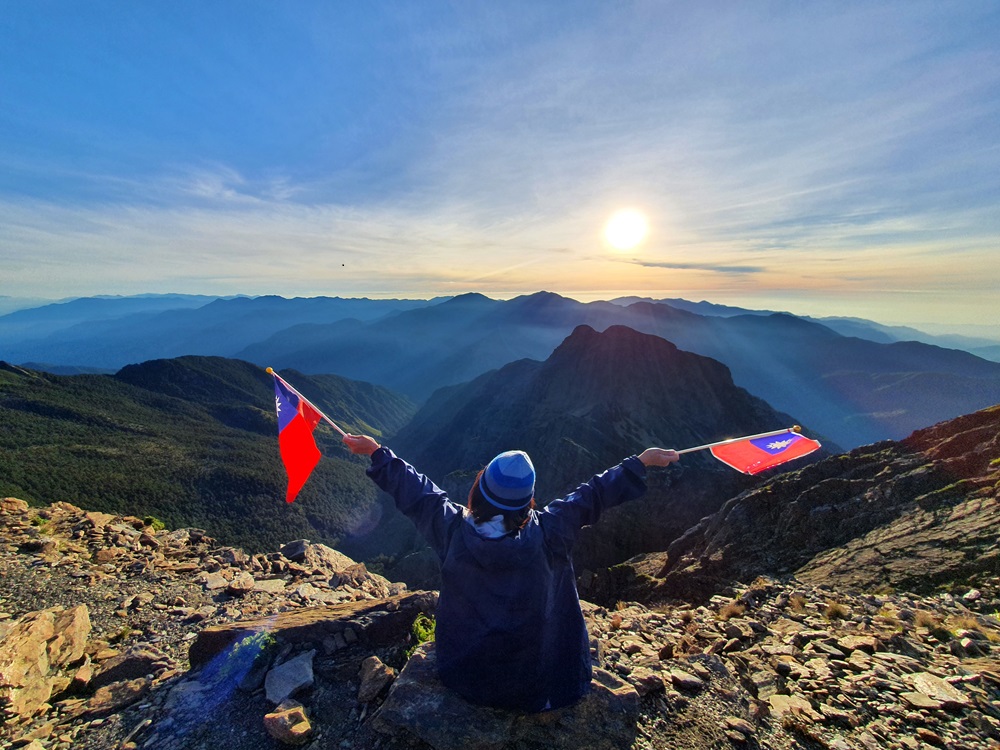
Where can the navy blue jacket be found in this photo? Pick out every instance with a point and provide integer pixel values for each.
(510, 632)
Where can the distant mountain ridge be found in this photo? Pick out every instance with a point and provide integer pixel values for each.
(854, 390)
(988, 348)
(112, 332)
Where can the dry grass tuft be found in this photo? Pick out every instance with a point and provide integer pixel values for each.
(733, 609)
(797, 603)
(836, 611)
(924, 619)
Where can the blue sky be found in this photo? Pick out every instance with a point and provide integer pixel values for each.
(825, 158)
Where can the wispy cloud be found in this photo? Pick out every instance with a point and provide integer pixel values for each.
(738, 270)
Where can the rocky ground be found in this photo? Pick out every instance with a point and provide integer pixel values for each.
(116, 635)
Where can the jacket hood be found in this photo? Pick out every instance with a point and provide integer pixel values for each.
(513, 550)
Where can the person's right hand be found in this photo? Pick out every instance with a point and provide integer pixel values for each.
(658, 457)
(361, 445)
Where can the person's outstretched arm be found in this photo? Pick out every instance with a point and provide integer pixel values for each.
(562, 519)
(422, 501)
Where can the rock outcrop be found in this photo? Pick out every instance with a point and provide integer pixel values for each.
(420, 706)
(912, 515)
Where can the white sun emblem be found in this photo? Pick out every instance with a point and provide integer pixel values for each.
(277, 405)
(778, 445)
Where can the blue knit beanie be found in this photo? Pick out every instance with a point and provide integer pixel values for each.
(508, 481)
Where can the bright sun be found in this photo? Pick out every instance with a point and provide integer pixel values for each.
(626, 229)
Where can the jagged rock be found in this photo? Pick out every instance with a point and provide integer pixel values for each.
(295, 551)
(24, 665)
(645, 680)
(375, 677)
(288, 678)
(83, 675)
(98, 520)
(289, 724)
(973, 595)
(134, 663)
(108, 555)
(866, 643)
(311, 556)
(116, 696)
(270, 585)
(13, 505)
(383, 621)
(921, 701)
(72, 628)
(793, 705)
(686, 681)
(31, 648)
(309, 593)
(420, 705)
(765, 683)
(739, 725)
(241, 585)
(213, 581)
(938, 689)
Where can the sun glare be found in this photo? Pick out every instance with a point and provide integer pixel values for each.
(626, 229)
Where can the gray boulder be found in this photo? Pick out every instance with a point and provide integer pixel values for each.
(418, 704)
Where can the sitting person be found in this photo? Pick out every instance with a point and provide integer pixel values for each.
(510, 632)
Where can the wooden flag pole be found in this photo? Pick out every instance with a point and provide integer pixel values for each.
(795, 428)
(288, 385)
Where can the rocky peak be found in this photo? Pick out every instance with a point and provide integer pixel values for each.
(599, 398)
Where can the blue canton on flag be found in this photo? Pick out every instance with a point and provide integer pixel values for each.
(775, 444)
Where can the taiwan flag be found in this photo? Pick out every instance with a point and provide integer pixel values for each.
(754, 455)
(297, 419)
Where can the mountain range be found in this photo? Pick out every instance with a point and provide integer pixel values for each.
(987, 348)
(852, 389)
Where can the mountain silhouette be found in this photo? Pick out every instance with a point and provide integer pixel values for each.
(852, 389)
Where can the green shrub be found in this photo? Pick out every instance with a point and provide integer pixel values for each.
(421, 631)
(155, 523)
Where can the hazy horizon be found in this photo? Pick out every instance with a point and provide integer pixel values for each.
(820, 159)
(987, 330)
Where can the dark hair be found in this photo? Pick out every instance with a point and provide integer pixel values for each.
(483, 510)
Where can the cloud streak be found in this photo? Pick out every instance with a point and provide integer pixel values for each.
(714, 268)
